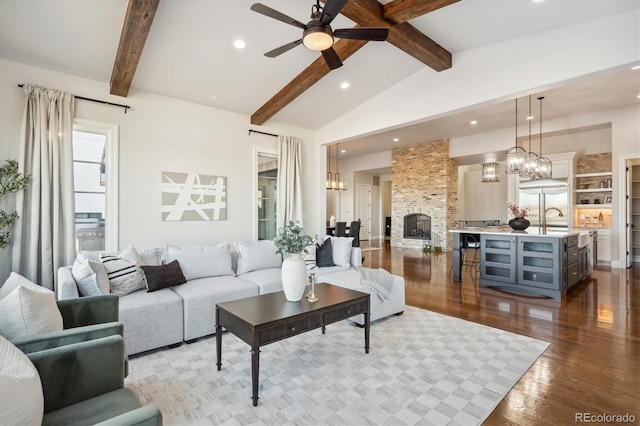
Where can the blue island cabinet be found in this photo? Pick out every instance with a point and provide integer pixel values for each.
(526, 264)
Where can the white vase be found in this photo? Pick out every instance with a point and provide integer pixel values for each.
(294, 277)
(332, 221)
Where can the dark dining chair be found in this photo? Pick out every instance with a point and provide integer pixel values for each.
(354, 231)
(341, 229)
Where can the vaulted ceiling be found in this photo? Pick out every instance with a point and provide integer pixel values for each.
(184, 49)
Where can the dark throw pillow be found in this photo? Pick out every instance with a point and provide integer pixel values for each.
(163, 276)
(324, 254)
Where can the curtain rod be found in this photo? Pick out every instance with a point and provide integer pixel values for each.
(262, 133)
(96, 100)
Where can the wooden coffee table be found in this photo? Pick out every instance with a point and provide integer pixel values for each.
(267, 318)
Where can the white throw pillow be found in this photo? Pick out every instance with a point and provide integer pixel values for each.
(201, 261)
(124, 275)
(90, 276)
(28, 309)
(341, 250)
(258, 255)
(310, 257)
(21, 395)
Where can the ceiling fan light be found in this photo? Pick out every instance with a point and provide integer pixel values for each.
(317, 38)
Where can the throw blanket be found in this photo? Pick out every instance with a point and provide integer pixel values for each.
(378, 280)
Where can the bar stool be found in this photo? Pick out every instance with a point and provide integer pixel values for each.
(470, 254)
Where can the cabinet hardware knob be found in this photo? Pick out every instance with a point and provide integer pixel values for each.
(575, 273)
(348, 311)
(293, 329)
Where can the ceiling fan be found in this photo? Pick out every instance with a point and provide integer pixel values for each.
(317, 33)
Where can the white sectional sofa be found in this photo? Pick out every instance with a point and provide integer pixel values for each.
(186, 312)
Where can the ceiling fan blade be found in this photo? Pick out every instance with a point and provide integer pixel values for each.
(330, 10)
(284, 48)
(363, 33)
(331, 58)
(272, 13)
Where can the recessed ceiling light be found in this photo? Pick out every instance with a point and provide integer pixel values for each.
(396, 139)
(473, 122)
(637, 67)
(530, 117)
(343, 151)
(638, 96)
(537, 1)
(239, 44)
(344, 85)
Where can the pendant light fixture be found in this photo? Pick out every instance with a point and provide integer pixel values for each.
(333, 179)
(531, 162)
(544, 164)
(491, 171)
(516, 156)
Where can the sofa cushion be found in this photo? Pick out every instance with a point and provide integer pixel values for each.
(341, 247)
(124, 275)
(199, 298)
(257, 255)
(201, 261)
(90, 276)
(324, 254)
(21, 396)
(27, 309)
(163, 276)
(151, 257)
(151, 320)
(268, 280)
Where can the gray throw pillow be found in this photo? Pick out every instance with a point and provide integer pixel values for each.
(324, 254)
(258, 255)
(163, 276)
(90, 276)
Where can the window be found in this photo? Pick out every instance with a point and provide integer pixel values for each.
(266, 202)
(95, 185)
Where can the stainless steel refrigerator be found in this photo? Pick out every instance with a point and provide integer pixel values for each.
(550, 197)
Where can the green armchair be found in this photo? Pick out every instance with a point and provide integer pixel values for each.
(83, 385)
(84, 319)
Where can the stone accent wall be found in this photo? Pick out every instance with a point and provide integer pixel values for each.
(594, 163)
(425, 180)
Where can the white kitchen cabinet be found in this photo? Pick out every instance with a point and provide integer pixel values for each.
(604, 246)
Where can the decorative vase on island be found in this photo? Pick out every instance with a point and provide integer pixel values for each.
(294, 277)
(519, 224)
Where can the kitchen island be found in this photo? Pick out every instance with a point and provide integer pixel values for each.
(531, 262)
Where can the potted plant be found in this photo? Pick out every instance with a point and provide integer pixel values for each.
(518, 223)
(291, 242)
(11, 180)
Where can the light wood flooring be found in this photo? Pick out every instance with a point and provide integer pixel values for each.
(593, 362)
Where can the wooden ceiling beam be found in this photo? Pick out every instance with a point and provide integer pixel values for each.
(136, 26)
(369, 13)
(399, 11)
(303, 81)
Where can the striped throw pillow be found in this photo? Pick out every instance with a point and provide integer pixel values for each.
(124, 276)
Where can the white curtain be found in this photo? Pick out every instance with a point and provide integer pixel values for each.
(45, 235)
(289, 192)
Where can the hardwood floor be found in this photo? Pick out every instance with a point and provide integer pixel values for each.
(592, 364)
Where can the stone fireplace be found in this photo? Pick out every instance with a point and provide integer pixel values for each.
(425, 184)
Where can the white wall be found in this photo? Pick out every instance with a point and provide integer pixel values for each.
(479, 200)
(164, 134)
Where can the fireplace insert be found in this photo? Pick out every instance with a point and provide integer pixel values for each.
(417, 226)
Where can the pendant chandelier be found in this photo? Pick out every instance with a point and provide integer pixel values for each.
(333, 180)
(543, 171)
(516, 156)
(532, 159)
(491, 172)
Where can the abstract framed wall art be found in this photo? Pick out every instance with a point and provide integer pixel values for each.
(192, 196)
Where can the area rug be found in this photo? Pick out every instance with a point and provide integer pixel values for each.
(423, 368)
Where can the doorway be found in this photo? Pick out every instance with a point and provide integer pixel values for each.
(363, 210)
(632, 211)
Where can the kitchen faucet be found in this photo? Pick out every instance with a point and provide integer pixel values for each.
(544, 222)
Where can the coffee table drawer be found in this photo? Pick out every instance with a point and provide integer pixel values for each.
(345, 312)
(289, 328)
